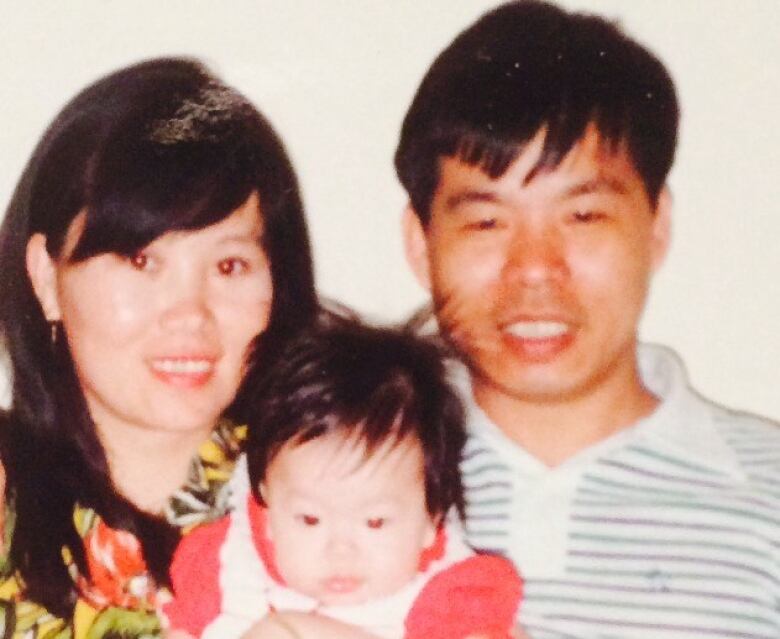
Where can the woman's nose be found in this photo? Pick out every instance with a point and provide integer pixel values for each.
(185, 301)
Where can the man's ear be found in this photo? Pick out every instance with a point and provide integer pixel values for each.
(662, 228)
(416, 247)
(43, 274)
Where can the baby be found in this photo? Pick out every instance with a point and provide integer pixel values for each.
(352, 458)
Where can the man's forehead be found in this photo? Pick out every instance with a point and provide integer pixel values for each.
(593, 156)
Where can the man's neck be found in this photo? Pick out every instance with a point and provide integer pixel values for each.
(554, 430)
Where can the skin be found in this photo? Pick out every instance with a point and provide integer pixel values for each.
(539, 279)
(347, 528)
(159, 340)
(287, 625)
(307, 626)
(331, 479)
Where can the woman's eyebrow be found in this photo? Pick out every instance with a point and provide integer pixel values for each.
(252, 236)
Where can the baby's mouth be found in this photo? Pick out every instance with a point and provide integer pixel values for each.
(342, 585)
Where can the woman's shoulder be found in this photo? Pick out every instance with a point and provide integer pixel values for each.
(20, 617)
(203, 498)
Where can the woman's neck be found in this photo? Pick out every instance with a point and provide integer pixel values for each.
(147, 467)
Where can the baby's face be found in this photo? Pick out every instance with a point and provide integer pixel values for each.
(346, 528)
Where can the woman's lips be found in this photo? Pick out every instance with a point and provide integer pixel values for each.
(183, 371)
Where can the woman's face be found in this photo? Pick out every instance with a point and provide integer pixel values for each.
(159, 340)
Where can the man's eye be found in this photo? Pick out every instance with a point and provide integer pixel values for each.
(309, 520)
(587, 216)
(232, 266)
(485, 224)
(376, 522)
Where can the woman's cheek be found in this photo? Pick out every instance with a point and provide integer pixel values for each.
(247, 305)
(95, 303)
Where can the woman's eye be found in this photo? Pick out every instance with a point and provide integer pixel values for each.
(309, 520)
(232, 266)
(140, 261)
(376, 522)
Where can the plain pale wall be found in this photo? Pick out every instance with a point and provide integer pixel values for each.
(335, 77)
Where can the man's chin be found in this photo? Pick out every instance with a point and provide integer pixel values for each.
(536, 383)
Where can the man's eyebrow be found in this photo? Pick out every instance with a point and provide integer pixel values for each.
(597, 185)
(467, 196)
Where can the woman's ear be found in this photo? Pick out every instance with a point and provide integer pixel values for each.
(43, 274)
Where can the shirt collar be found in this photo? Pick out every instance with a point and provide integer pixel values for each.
(682, 423)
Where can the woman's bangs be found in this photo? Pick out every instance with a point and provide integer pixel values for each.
(142, 193)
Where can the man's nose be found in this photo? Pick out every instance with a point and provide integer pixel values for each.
(535, 257)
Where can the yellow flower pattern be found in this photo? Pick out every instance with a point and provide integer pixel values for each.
(122, 604)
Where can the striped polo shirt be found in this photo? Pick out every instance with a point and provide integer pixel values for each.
(668, 529)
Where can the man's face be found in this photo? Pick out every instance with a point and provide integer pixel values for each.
(539, 279)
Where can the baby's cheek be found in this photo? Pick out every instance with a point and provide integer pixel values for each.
(402, 561)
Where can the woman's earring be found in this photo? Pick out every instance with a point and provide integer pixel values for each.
(54, 328)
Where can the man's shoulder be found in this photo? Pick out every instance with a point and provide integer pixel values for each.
(744, 422)
(754, 440)
(690, 419)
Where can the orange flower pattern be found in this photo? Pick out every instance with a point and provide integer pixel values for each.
(119, 599)
(118, 574)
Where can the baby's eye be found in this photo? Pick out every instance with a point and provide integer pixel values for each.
(232, 266)
(376, 522)
(309, 520)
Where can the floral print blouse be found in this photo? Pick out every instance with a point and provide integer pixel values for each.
(120, 599)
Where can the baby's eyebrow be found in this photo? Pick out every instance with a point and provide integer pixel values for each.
(377, 504)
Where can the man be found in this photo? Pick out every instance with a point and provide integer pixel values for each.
(535, 155)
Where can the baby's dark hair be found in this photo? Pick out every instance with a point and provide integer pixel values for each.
(369, 385)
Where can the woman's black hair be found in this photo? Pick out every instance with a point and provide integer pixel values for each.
(528, 66)
(160, 146)
(368, 385)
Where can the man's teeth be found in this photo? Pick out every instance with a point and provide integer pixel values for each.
(537, 330)
(182, 366)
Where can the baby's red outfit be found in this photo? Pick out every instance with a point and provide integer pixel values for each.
(456, 593)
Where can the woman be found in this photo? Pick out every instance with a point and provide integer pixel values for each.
(155, 237)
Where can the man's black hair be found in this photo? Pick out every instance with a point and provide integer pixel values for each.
(529, 66)
(369, 385)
